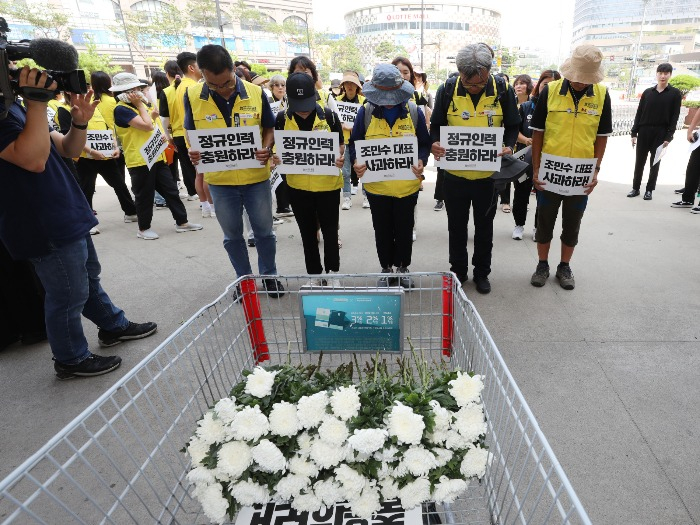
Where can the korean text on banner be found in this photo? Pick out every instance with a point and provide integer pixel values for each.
(226, 148)
(275, 180)
(154, 147)
(102, 141)
(307, 152)
(347, 111)
(387, 159)
(474, 149)
(566, 176)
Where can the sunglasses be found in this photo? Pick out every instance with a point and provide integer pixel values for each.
(278, 85)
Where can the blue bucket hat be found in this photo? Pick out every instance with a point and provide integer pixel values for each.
(387, 87)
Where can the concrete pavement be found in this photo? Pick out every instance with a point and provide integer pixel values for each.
(609, 369)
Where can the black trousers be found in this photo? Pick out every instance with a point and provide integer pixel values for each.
(521, 198)
(649, 139)
(393, 221)
(460, 195)
(282, 194)
(174, 170)
(692, 176)
(145, 182)
(505, 194)
(312, 208)
(188, 171)
(88, 169)
(438, 195)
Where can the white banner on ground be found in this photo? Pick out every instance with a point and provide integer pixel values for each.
(307, 152)
(154, 147)
(226, 148)
(471, 148)
(387, 159)
(564, 175)
(347, 111)
(102, 141)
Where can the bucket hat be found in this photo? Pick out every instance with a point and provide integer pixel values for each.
(350, 76)
(258, 80)
(125, 82)
(335, 86)
(387, 87)
(584, 65)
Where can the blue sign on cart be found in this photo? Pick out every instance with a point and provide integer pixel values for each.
(352, 320)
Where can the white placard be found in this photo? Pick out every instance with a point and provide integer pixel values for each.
(275, 180)
(520, 155)
(154, 147)
(102, 141)
(339, 514)
(307, 152)
(660, 152)
(474, 149)
(564, 175)
(276, 107)
(387, 159)
(224, 149)
(347, 111)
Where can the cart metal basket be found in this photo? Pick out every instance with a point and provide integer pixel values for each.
(120, 461)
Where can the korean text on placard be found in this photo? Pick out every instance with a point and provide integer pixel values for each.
(474, 149)
(566, 176)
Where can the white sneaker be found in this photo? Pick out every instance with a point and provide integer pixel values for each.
(206, 212)
(277, 221)
(347, 203)
(334, 281)
(314, 282)
(148, 235)
(213, 213)
(94, 231)
(194, 197)
(534, 235)
(518, 233)
(184, 195)
(188, 227)
(353, 190)
(365, 203)
(130, 218)
(414, 236)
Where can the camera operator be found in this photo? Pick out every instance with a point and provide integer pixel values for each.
(44, 217)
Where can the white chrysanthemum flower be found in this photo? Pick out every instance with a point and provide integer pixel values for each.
(304, 442)
(368, 440)
(417, 461)
(443, 417)
(291, 486)
(302, 467)
(469, 421)
(385, 471)
(328, 491)
(306, 503)
(198, 450)
(213, 503)
(457, 441)
(405, 424)
(442, 456)
(390, 488)
(250, 424)
(447, 490)
(366, 505)
(415, 493)
(248, 493)
(388, 454)
(259, 383)
(234, 458)
(474, 463)
(466, 389)
(351, 482)
(326, 455)
(284, 420)
(226, 409)
(201, 476)
(269, 457)
(210, 430)
(311, 410)
(438, 437)
(333, 431)
(345, 402)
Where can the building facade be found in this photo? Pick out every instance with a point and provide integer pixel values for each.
(447, 27)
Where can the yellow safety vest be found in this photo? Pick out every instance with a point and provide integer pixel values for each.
(478, 118)
(97, 122)
(177, 110)
(343, 98)
(206, 115)
(379, 129)
(572, 133)
(132, 140)
(170, 98)
(313, 182)
(55, 116)
(106, 107)
(53, 104)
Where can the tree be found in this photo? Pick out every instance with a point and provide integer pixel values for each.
(46, 19)
(385, 50)
(685, 83)
(91, 60)
(146, 29)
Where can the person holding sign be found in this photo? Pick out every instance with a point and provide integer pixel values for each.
(143, 139)
(278, 103)
(350, 101)
(571, 125)
(314, 197)
(477, 106)
(220, 106)
(392, 198)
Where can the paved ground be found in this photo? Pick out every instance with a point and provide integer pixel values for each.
(609, 369)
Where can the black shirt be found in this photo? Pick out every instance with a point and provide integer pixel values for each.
(658, 110)
(163, 108)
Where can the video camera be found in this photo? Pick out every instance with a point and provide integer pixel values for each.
(59, 58)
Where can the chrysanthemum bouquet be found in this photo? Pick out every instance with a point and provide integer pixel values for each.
(311, 438)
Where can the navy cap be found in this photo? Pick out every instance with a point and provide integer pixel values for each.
(301, 92)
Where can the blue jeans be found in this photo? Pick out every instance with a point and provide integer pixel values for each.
(71, 277)
(158, 199)
(257, 201)
(347, 169)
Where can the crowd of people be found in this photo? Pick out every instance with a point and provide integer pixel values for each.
(564, 114)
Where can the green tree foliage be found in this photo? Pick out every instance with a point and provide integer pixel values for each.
(91, 60)
(385, 51)
(685, 83)
(145, 29)
(48, 20)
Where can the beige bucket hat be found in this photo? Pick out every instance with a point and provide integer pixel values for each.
(584, 65)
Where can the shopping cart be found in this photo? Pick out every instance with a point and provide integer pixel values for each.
(121, 460)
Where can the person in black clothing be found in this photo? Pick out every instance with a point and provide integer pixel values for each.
(654, 125)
